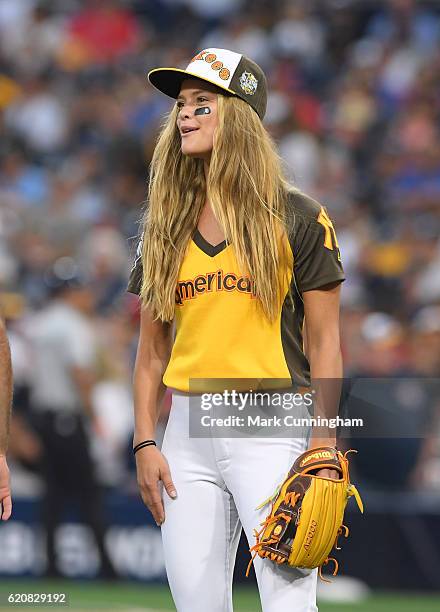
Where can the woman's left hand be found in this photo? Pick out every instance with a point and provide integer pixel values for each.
(319, 442)
(328, 473)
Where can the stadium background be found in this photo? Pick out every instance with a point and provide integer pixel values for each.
(354, 107)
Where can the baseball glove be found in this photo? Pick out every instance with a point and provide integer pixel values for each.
(307, 512)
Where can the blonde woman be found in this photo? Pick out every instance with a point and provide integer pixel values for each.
(231, 263)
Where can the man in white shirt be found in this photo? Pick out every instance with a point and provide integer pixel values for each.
(64, 344)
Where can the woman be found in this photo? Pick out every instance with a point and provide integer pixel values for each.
(232, 257)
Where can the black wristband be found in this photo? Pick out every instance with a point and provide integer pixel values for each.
(143, 445)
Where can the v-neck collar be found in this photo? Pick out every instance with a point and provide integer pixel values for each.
(205, 246)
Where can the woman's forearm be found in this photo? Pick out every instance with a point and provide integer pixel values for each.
(152, 357)
(149, 391)
(326, 370)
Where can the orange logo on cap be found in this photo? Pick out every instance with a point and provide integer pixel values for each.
(217, 65)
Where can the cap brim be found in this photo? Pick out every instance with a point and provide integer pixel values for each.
(169, 80)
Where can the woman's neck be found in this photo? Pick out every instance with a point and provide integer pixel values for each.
(209, 227)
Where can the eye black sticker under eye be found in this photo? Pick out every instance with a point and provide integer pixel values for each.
(204, 110)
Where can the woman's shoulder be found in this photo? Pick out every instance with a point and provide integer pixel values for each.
(299, 204)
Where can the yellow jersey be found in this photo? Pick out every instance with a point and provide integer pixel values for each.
(222, 340)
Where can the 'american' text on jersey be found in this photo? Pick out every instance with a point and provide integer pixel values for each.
(213, 281)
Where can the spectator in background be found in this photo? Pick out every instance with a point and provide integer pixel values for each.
(395, 404)
(406, 21)
(425, 341)
(62, 380)
(5, 411)
(103, 32)
(425, 355)
(39, 116)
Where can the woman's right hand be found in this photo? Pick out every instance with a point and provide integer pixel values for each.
(151, 467)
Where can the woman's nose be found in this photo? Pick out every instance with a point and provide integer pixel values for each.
(184, 113)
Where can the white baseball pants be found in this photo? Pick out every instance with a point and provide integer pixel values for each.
(220, 482)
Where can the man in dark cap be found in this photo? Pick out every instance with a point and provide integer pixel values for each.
(64, 343)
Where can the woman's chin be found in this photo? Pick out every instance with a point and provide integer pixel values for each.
(193, 152)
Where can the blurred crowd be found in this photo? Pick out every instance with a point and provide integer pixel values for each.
(354, 107)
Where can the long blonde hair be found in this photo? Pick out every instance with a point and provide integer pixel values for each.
(247, 191)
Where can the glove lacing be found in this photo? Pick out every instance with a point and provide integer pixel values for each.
(289, 499)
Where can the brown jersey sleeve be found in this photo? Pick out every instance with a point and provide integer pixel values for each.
(316, 256)
(135, 279)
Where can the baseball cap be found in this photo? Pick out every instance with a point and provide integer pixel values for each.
(228, 70)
